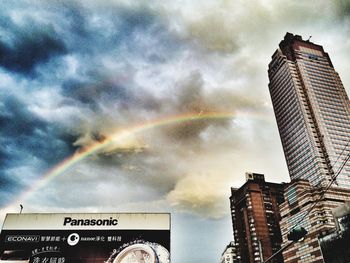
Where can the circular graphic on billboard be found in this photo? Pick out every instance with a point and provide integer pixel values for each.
(162, 253)
(137, 253)
(73, 239)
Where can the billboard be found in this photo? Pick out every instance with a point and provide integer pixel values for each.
(86, 238)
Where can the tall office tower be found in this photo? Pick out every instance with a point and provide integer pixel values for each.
(255, 216)
(312, 111)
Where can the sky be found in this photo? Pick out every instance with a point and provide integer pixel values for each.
(75, 74)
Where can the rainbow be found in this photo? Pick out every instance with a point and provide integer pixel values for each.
(121, 134)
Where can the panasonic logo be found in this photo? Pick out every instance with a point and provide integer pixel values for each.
(68, 221)
(23, 238)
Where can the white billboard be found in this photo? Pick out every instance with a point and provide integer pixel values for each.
(86, 238)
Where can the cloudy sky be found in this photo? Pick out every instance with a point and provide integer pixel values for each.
(74, 73)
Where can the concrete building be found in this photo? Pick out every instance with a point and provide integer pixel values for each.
(230, 254)
(312, 111)
(255, 216)
(300, 197)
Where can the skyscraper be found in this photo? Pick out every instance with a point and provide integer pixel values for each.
(312, 111)
(255, 216)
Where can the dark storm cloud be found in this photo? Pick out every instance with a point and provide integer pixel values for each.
(8, 190)
(75, 16)
(25, 135)
(30, 146)
(146, 168)
(16, 120)
(103, 29)
(123, 37)
(71, 28)
(94, 91)
(190, 97)
(128, 28)
(103, 91)
(4, 158)
(23, 47)
(5, 181)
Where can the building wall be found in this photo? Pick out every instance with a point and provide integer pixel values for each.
(300, 196)
(255, 216)
(312, 111)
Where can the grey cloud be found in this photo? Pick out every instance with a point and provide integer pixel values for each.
(191, 96)
(16, 120)
(76, 17)
(21, 129)
(229, 27)
(8, 191)
(109, 29)
(155, 168)
(28, 46)
(222, 37)
(95, 91)
(107, 184)
(343, 8)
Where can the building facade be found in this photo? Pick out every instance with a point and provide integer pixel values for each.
(300, 197)
(255, 216)
(312, 111)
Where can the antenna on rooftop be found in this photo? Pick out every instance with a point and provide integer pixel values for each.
(309, 38)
